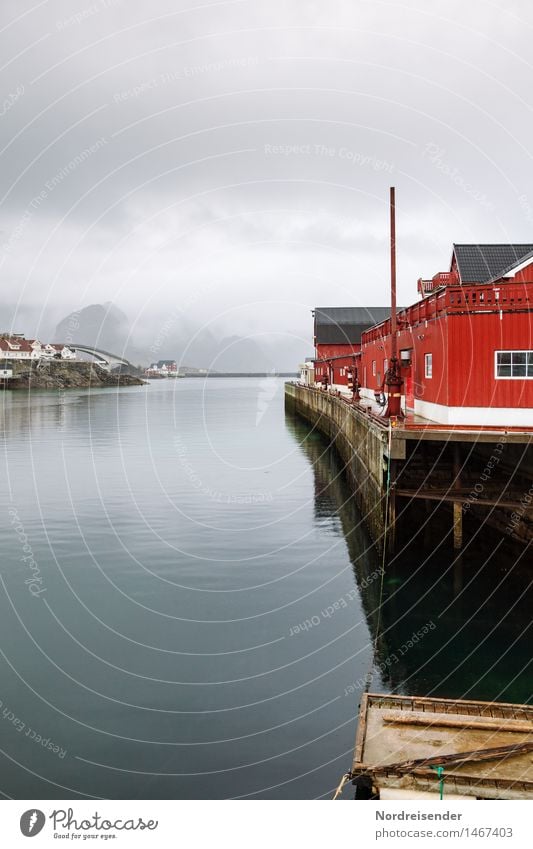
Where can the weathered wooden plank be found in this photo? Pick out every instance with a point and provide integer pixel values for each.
(361, 729)
(456, 705)
(456, 758)
(482, 724)
(450, 495)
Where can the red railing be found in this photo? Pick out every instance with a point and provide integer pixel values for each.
(442, 278)
(445, 278)
(508, 297)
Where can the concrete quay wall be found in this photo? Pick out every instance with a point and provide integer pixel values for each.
(361, 444)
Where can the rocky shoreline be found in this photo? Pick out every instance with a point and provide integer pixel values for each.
(57, 374)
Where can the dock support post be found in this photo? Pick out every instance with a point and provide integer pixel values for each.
(457, 525)
(457, 505)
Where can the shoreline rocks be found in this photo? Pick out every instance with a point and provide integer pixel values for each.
(57, 374)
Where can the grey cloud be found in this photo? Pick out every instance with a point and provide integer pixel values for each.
(244, 150)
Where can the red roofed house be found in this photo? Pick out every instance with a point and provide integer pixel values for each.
(15, 347)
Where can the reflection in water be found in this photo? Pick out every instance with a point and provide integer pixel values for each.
(59, 411)
(170, 654)
(334, 501)
(447, 630)
(165, 655)
(480, 645)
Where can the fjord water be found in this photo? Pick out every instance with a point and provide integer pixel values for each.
(189, 598)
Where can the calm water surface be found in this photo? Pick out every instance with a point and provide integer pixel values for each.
(194, 613)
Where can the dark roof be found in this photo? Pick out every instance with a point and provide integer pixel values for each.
(485, 263)
(344, 325)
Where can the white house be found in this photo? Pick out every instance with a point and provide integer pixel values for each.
(18, 348)
(307, 372)
(63, 352)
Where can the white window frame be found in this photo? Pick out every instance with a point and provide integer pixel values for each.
(512, 377)
(428, 366)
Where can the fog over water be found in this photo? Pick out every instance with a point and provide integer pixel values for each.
(228, 162)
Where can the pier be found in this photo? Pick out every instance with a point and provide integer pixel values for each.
(440, 475)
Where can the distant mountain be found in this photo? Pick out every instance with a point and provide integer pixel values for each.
(101, 325)
(178, 338)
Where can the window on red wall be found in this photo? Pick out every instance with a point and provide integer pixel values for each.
(514, 364)
(374, 367)
(428, 365)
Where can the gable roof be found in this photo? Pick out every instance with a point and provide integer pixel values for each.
(486, 263)
(16, 343)
(344, 325)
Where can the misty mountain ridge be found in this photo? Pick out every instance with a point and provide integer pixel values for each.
(101, 325)
(108, 328)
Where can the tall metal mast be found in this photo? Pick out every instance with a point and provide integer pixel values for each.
(393, 378)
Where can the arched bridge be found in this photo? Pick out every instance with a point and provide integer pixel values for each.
(103, 356)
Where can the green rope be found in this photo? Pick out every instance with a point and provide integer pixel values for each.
(440, 774)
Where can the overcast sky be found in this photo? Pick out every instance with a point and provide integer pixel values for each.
(233, 159)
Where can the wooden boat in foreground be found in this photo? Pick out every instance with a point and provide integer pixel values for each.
(414, 747)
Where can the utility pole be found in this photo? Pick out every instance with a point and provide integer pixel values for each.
(393, 378)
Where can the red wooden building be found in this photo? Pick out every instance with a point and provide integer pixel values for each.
(466, 348)
(337, 339)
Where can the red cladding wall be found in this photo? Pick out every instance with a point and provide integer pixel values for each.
(340, 358)
(335, 369)
(462, 331)
(324, 352)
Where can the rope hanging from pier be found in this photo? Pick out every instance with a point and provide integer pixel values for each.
(346, 777)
